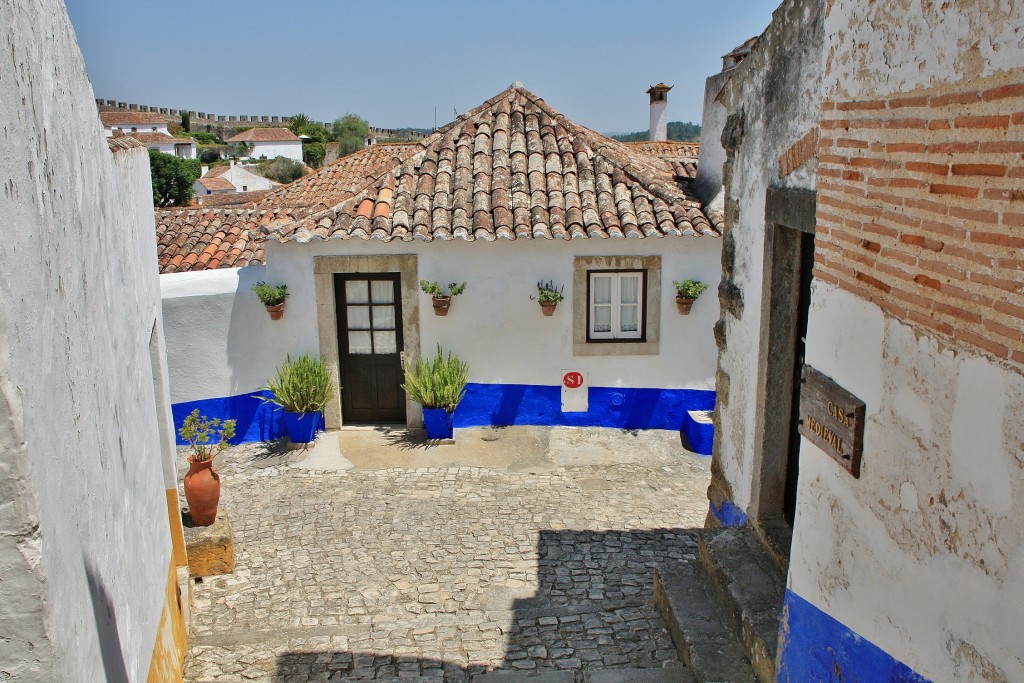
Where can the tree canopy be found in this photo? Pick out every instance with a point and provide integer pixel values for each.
(172, 178)
(283, 170)
(677, 130)
(350, 133)
(301, 124)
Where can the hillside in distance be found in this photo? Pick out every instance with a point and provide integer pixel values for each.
(677, 130)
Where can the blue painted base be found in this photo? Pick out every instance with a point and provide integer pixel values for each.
(302, 427)
(729, 514)
(622, 408)
(817, 647)
(438, 423)
(256, 421)
(700, 435)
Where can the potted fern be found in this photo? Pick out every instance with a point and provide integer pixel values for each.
(302, 388)
(442, 302)
(438, 385)
(548, 296)
(272, 296)
(207, 437)
(687, 292)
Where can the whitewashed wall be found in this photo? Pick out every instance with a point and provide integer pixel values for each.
(272, 150)
(87, 542)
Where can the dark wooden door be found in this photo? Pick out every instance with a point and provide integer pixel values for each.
(370, 346)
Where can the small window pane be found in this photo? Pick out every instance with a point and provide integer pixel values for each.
(385, 342)
(630, 289)
(358, 317)
(602, 289)
(383, 291)
(357, 292)
(628, 317)
(360, 343)
(602, 318)
(383, 317)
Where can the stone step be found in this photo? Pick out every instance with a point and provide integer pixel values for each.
(748, 584)
(672, 672)
(699, 626)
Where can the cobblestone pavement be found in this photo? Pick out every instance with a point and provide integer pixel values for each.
(448, 572)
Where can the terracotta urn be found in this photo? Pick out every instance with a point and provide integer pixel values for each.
(202, 491)
(684, 305)
(276, 312)
(441, 304)
(548, 309)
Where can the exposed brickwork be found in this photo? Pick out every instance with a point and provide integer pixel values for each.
(921, 210)
(805, 149)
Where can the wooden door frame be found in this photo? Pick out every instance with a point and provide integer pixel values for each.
(324, 270)
(794, 209)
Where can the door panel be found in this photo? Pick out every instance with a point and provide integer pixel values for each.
(369, 309)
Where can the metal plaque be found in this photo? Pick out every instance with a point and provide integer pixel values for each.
(832, 419)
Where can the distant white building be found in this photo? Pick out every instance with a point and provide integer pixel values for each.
(148, 128)
(270, 143)
(229, 179)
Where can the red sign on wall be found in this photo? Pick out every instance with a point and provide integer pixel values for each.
(573, 380)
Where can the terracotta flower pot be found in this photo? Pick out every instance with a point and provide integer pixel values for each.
(684, 305)
(276, 312)
(441, 304)
(548, 309)
(202, 491)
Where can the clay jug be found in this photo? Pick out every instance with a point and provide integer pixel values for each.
(202, 491)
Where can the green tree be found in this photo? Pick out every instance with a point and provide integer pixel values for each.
(172, 178)
(313, 153)
(283, 170)
(301, 124)
(185, 121)
(350, 133)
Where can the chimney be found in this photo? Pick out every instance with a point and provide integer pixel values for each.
(658, 129)
(203, 170)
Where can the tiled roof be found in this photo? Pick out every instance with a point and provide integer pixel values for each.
(265, 135)
(514, 168)
(214, 183)
(122, 143)
(132, 118)
(160, 138)
(234, 199)
(682, 156)
(201, 238)
(333, 184)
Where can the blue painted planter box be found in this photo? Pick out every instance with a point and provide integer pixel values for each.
(438, 423)
(700, 433)
(302, 427)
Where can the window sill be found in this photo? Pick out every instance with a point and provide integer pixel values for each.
(611, 348)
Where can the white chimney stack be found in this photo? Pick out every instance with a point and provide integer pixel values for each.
(658, 129)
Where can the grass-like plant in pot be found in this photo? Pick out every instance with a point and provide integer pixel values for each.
(687, 292)
(207, 437)
(272, 296)
(548, 296)
(438, 384)
(302, 387)
(441, 301)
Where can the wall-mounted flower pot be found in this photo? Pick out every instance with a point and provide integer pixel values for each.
(441, 304)
(684, 305)
(548, 309)
(202, 491)
(438, 423)
(302, 427)
(276, 312)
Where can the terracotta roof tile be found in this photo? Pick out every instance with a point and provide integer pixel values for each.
(514, 168)
(122, 143)
(265, 135)
(236, 199)
(159, 138)
(681, 156)
(132, 118)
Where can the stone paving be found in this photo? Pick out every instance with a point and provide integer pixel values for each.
(541, 561)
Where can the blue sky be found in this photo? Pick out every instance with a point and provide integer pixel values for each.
(394, 62)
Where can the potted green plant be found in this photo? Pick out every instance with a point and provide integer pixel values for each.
(207, 437)
(272, 296)
(548, 296)
(438, 385)
(302, 387)
(687, 292)
(442, 302)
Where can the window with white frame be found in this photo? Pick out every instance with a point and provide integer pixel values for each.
(616, 301)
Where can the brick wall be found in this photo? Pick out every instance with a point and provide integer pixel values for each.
(921, 210)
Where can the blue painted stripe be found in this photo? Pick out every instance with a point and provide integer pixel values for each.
(728, 514)
(622, 408)
(817, 647)
(256, 420)
(701, 435)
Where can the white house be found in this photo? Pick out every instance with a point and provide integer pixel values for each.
(231, 178)
(270, 143)
(129, 122)
(161, 142)
(510, 194)
(90, 527)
